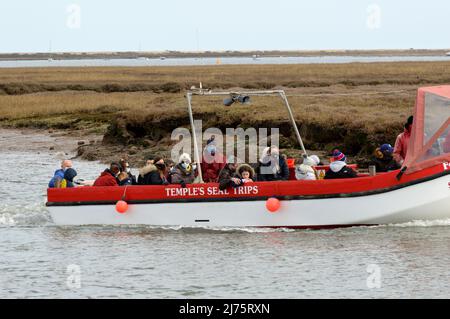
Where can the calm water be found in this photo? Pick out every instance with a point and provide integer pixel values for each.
(213, 61)
(39, 259)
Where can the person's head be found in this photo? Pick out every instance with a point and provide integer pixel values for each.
(245, 174)
(169, 163)
(339, 156)
(65, 164)
(159, 163)
(70, 174)
(124, 165)
(211, 149)
(409, 123)
(386, 149)
(316, 159)
(149, 161)
(309, 161)
(114, 168)
(185, 162)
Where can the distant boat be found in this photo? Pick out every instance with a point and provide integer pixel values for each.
(447, 54)
(142, 58)
(50, 60)
(162, 58)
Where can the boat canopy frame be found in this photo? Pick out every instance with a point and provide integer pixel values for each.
(202, 92)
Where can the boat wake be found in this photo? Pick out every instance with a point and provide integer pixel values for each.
(20, 215)
(422, 223)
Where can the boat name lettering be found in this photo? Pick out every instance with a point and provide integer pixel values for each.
(446, 166)
(246, 190)
(211, 191)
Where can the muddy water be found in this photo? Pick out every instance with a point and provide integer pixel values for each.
(214, 61)
(39, 259)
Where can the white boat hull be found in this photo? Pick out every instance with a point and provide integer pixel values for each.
(424, 201)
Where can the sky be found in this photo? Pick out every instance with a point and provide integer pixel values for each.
(139, 25)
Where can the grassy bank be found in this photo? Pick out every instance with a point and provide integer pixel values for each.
(353, 106)
(208, 54)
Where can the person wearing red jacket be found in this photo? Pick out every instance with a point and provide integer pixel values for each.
(108, 177)
(212, 164)
(402, 142)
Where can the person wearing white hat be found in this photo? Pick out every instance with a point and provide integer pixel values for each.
(184, 172)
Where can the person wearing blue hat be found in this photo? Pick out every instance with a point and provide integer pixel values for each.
(384, 160)
(339, 168)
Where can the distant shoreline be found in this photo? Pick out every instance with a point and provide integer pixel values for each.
(212, 54)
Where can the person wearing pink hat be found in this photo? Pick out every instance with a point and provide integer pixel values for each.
(339, 168)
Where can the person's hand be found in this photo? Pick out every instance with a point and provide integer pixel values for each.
(235, 180)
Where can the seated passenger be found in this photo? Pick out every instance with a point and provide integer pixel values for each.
(124, 179)
(58, 176)
(304, 172)
(69, 175)
(212, 163)
(272, 166)
(245, 173)
(108, 177)
(339, 168)
(384, 159)
(184, 172)
(125, 167)
(154, 174)
(228, 176)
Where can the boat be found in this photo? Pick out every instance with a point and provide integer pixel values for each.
(448, 53)
(420, 190)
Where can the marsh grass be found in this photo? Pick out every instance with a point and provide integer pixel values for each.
(333, 103)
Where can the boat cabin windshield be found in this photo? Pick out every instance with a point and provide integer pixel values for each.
(430, 137)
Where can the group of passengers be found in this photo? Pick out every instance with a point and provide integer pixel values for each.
(216, 168)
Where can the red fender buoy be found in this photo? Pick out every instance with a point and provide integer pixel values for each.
(121, 207)
(273, 204)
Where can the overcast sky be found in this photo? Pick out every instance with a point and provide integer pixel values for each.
(113, 25)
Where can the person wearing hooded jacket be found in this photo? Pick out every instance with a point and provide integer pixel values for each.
(383, 159)
(245, 173)
(108, 177)
(272, 166)
(153, 174)
(338, 168)
(227, 176)
(184, 172)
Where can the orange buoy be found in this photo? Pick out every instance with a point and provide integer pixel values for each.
(273, 204)
(121, 207)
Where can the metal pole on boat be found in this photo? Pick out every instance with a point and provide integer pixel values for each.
(294, 125)
(194, 136)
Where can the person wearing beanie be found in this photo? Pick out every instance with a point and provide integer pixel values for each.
(339, 168)
(69, 175)
(383, 159)
(184, 172)
(402, 142)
